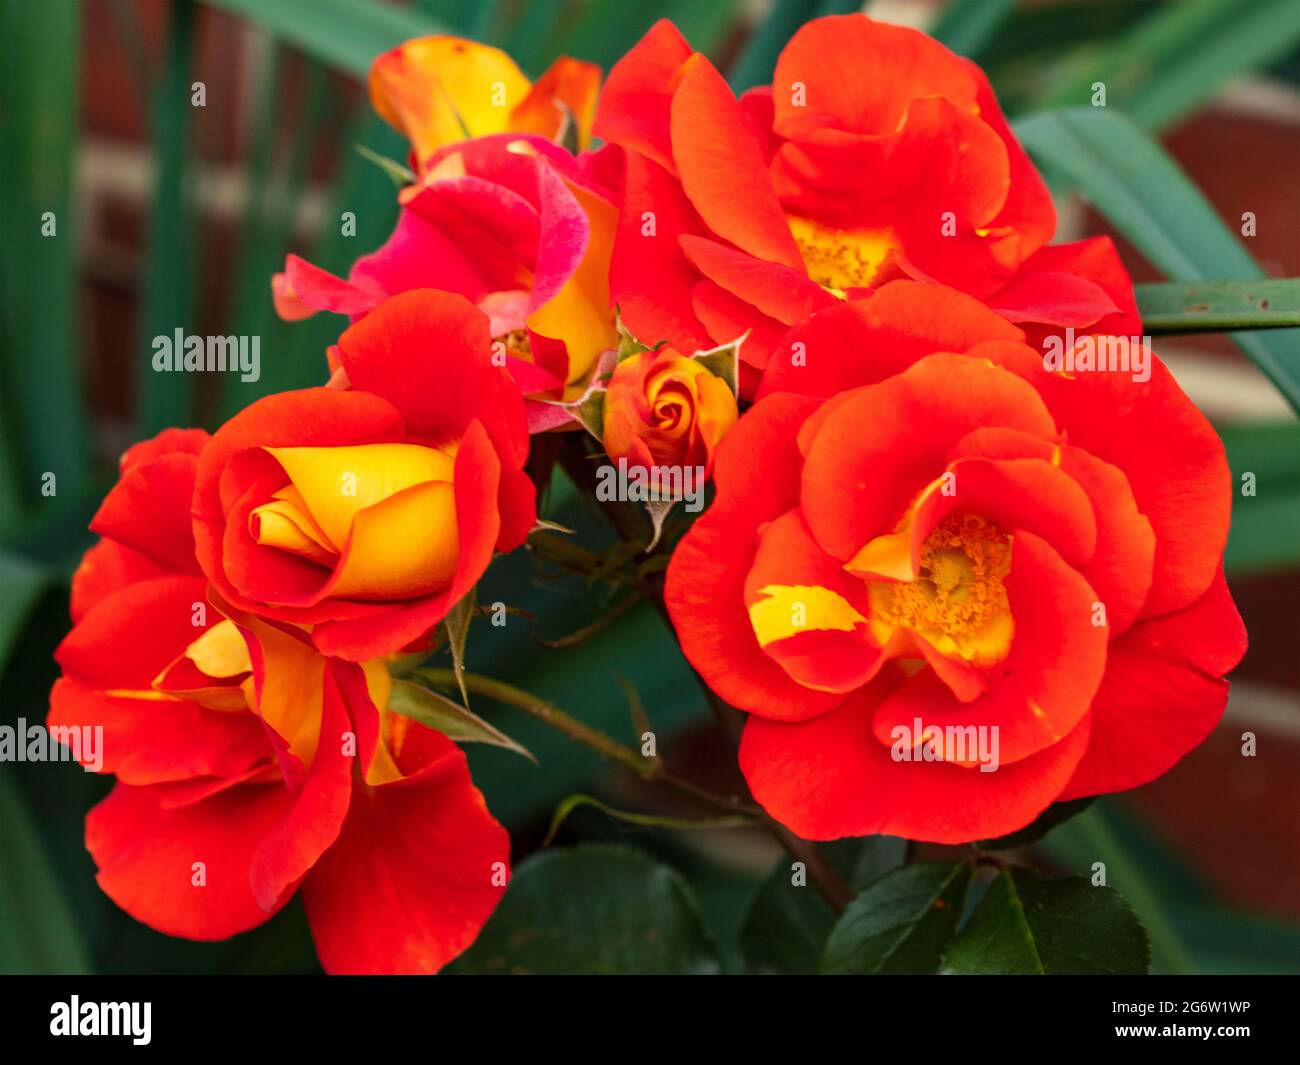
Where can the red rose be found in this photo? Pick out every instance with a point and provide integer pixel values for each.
(906, 536)
(367, 512)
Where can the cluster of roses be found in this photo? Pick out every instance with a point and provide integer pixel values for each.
(914, 519)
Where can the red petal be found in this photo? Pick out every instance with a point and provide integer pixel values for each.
(757, 475)
(1162, 694)
(634, 104)
(146, 854)
(410, 881)
(830, 777)
(722, 167)
(879, 446)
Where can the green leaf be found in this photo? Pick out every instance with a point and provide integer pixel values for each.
(1057, 813)
(166, 398)
(436, 711)
(967, 25)
(1028, 923)
(39, 933)
(400, 173)
(1217, 306)
(346, 34)
(862, 860)
(631, 817)
(724, 361)
(786, 925)
(900, 923)
(457, 625)
(594, 910)
(23, 583)
(43, 417)
(755, 64)
(1265, 532)
(1181, 55)
(1130, 179)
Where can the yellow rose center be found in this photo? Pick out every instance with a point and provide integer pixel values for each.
(840, 259)
(957, 602)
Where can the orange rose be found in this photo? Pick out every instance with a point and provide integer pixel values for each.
(663, 409)
(439, 90)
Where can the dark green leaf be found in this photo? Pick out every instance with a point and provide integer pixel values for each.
(22, 583)
(38, 931)
(1181, 55)
(165, 398)
(755, 64)
(1054, 815)
(900, 923)
(596, 910)
(1218, 306)
(631, 817)
(1265, 532)
(967, 25)
(1029, 923)
(786, 926)
(346, 34)
(788, 921)
(1132, 181)
(43, 416)
(436, 711)
(863, 860)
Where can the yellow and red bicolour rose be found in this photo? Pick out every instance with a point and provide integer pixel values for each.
(436, 91)
(368, 511)
(754, 213)
(925, 530)
(249, 765)
(663, 409)
(510, 220)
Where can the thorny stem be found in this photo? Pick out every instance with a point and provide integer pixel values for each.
(630, 523)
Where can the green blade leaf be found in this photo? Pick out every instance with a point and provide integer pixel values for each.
(900, 923)
(1181, 55)
(1218, 306)
(1265, 532)
(22, 582)
(755, 64)
(1028, 923)
(457, 625)
(967, 25)
(43, 414)
(596, 910)
(631, 817)
(345, 34)
(1130, 179)
(166, 397)
(39, 932)
(436, 711)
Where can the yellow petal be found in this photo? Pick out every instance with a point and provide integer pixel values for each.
(580, 314)
(282, 525)
(439, 90)
(221, 651)
(404, 546)
(292, 690)
(336, 483)
(789, 609)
